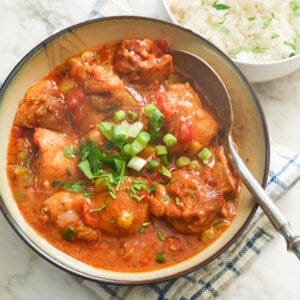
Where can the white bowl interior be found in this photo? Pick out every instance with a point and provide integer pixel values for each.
(249, 128)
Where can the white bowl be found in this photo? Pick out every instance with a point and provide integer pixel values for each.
(250, 132)
(255, 71)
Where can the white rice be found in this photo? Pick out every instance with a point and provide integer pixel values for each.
(248, 30)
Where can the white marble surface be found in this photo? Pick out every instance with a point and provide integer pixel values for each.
(24, 275)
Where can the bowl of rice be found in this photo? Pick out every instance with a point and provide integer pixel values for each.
(261, 37)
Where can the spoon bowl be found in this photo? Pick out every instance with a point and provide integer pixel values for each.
(204, 76)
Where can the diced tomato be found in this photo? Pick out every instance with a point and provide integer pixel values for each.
(89, 219)
(17, 132)
(163, 105)
(186, 130)
(74, 101)
(146, 258)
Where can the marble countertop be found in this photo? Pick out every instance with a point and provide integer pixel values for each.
(24, 275)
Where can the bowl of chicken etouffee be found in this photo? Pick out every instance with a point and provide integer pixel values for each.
(113, 165)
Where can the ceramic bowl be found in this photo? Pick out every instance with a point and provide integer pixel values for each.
(249, 131)
(254, 71)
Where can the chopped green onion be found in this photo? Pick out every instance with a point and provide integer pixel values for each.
(164, 171)
(155, 116)
(169, 140)
(251, 19)
(194, 165)
(160, 234)
(134, 129)
(205, 155)
(183, 161)
(119, 116)
(177, 201)
(120, 132)
(103, 207)
(161, 150)
(152, 165)
(143, 226)
(132, 116)
(69, 233)
(112, 221)
(138, 145)
(69, 152)
(107, 130)
(166, 197)
(136, 163)
(143, 137)
(160, 257)
(268, 21)
(164, 159)
(220, 6)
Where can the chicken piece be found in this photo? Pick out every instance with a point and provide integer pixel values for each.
(106, 88)
(83, 114)
(52, 163)
(192, 204)
(120, 216)
(64, 210)
(143, 60)
(43, 106)
(185, 117)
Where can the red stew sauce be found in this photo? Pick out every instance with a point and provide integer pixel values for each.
(115, 160)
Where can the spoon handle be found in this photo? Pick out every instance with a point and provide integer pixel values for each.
(276, 217)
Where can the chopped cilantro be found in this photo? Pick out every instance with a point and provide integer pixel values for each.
(69, 152)
(103, 207)
(267, 23)
(76, 187)
(220, 6)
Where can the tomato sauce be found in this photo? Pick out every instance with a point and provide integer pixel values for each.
(115, 160)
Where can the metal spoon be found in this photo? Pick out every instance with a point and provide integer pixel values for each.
(203, 75)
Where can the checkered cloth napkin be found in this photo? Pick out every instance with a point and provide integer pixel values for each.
(209, 281)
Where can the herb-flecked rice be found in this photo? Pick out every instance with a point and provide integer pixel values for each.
(247, 30)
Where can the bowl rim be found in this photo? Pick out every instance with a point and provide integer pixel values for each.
(41, 252)
(238, 61)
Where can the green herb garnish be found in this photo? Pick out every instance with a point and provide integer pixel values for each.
(160, 257)
(69, 152)
(69, 233)
(220, 6)
(160, 234)
(103, 207)
(295, 7)
(137, 186)
(75, 187)
(267, 23)
(143, 226)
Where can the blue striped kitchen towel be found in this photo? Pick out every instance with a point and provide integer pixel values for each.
(209, 281)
